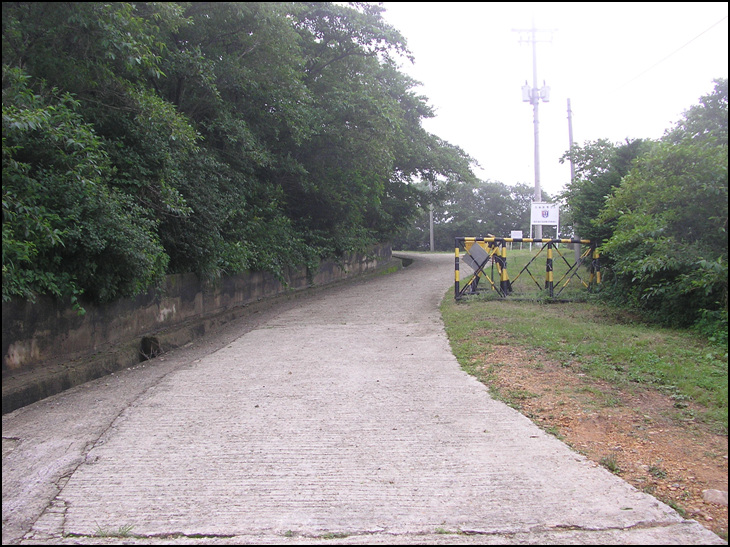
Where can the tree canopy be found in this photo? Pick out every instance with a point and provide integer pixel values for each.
(153, 138)
(470, 209)
(660, 210)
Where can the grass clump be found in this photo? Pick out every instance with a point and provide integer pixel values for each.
(123, 531)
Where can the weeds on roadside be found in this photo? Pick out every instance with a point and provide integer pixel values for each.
(610, 463)
(122, 531)
(657, 472)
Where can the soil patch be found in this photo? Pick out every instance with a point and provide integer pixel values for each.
(636, 432)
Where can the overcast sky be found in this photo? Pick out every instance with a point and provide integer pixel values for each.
(629, 69)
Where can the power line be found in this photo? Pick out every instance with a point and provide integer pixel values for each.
(672, 53)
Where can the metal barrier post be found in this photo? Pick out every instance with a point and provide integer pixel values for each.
(549, 269)
(456, 268)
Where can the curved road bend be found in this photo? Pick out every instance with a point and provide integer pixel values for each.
(340, 417)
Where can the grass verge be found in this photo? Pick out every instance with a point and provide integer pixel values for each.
(601, 342)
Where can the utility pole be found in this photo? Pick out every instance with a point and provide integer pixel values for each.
(430, 215)
(533, 96)
(570, 144)
(572, 176)
(431, 228)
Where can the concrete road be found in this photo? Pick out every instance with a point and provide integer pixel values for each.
(341, 417)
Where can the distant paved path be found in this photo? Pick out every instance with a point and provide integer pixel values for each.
(341, 415)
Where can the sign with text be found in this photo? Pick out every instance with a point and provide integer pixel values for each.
(545, 213)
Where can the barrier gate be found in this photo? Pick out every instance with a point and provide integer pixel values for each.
(481, 253)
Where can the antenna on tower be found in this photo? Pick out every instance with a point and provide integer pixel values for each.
(534, 95)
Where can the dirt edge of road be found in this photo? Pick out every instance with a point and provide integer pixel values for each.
(636, 432)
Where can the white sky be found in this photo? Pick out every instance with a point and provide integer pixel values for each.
(629, 69)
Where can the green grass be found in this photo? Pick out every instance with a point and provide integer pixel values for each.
(335, 535)
(602, 342)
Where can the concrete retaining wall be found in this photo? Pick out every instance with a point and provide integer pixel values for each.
(48, 347)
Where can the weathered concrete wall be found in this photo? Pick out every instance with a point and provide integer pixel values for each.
(49, 347)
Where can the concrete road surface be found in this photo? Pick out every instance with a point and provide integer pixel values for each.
(341, 417)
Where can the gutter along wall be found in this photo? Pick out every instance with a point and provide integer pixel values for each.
(48, 347)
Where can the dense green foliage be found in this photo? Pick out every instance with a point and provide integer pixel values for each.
(64, 226)
(153, 138)
(661, 212)
(599, 168)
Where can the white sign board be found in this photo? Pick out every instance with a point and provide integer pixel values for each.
(516, 234)
(545, 214)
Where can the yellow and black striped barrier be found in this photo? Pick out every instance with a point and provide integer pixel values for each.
(480, 252)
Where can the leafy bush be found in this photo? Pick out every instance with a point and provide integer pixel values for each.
(669, 242)
(66, 231)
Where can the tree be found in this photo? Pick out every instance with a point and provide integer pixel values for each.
(369, 146)
(235, 71)
(472, 210)
(599, 168)
(66, 231)
(669, 242)
(220, 131)
(105, 56)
